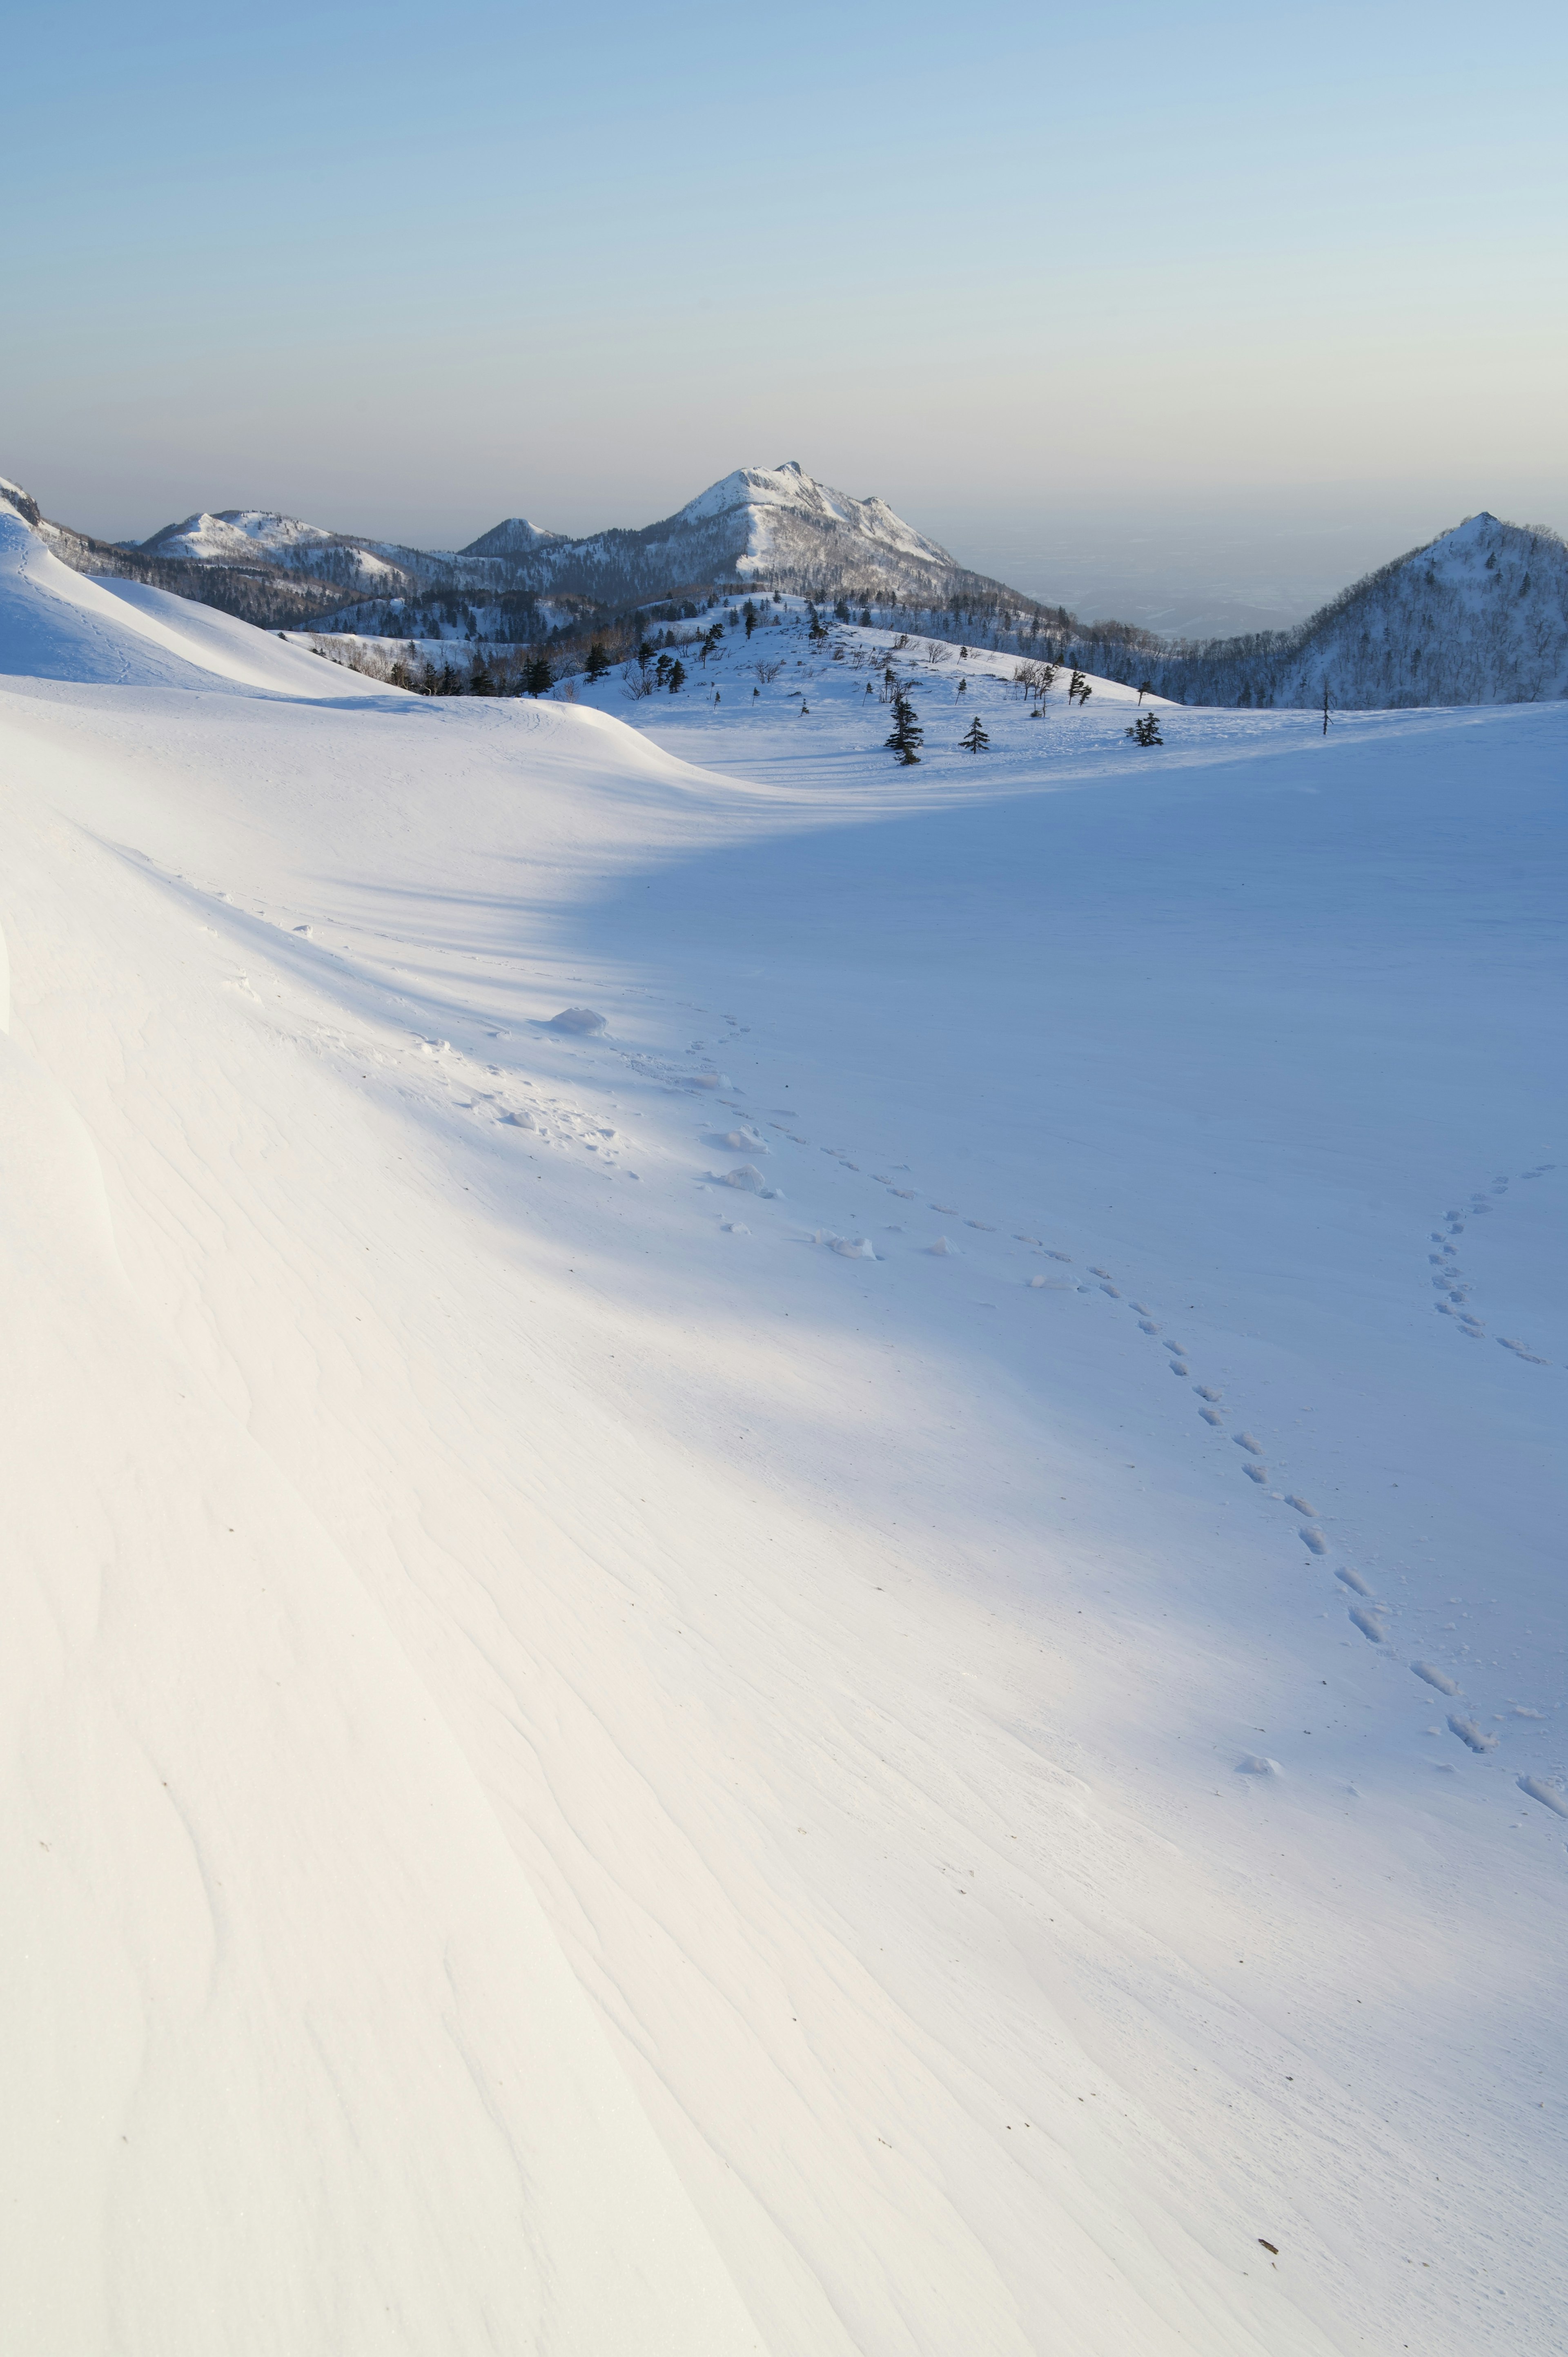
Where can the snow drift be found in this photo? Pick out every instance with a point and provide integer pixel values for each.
(584, 1774)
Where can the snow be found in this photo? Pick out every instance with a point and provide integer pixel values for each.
(759, 492)
(238, 532)
(56, 624)
(562, 1794)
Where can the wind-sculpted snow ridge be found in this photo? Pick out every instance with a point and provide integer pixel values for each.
(754, 1602)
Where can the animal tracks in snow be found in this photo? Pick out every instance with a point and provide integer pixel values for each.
(747, 1141)
(1449, 1280)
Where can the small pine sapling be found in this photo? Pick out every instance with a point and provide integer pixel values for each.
(974, 739)
(598, 664)
(908, 736)
(1146, 730)
(677, 676)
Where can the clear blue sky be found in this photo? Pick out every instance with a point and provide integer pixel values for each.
(1092, 280)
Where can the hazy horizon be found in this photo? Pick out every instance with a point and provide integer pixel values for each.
(1193, 571)
(1170, 318)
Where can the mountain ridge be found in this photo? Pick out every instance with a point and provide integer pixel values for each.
(1479, 614)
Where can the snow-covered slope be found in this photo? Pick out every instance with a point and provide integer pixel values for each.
(773, 524)
(777, 514)
(515, 536)
(561, 1793)
(56, 624)
(1478, 615)
(245, 536)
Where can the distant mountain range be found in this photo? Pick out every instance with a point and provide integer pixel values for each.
(1479, 614)
(761, 524)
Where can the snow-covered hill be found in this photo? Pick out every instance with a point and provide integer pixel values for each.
(604, 1747)
(1478, 615)
(773, 524)
(245, 536)
(515, 536)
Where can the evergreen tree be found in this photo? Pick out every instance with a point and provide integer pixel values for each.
(964, 687)
(598, 664)
(677, 677)
(1147, 729)
(866, 618)
(908, 736)
(450, 682)
(842, 610)
(1076, 686)
(976, 740)
(748, 616)
(1146, 687)
(538, 678)
(479, 680)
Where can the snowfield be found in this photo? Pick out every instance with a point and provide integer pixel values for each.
(560, 1795)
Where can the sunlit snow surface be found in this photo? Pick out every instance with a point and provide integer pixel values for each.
(588, 1773)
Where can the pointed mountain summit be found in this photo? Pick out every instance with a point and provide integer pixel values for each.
(772, 525)
(515, 537)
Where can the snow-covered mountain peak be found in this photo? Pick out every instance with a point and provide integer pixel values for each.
(515, 536)
(235, 533)
(761, 493)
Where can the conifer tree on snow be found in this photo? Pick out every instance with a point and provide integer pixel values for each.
(677, 677)
(1076, 685)
(537, 677)
(1147, 729)
(908, 736)
(598, 664)
(975, 739)
(479, 680)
